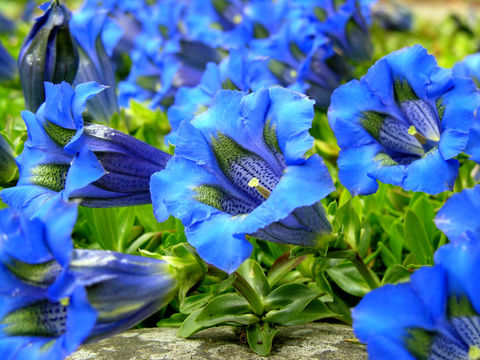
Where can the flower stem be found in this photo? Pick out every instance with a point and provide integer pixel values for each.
(357, 261)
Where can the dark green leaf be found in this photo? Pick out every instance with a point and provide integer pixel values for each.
(283, 304)
(260, 337)
(417, 239)
(347, 277)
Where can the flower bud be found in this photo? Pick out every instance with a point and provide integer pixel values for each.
(48, 53)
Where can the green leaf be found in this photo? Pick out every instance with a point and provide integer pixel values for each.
(417, 240)
(175, 320)
(283, 265)
(347, 216)
(224, 309)
(315, 310)
(195, 302)
(425, 211)
(283, 304)
(347, 277)
(260, 338)
(395, 274)
(323, 286)
(126, 216)
(253, 273)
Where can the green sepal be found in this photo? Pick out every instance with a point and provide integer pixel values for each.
(286, 302)
(260, 337)
(190, 268)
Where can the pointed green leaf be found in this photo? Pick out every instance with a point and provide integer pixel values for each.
(417, 240)
(253, 273)
(316, 310)
(260, 337)
(284, 303)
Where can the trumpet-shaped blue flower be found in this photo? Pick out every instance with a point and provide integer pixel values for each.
(470, 66)
(457, 216)
(94, 63)
(52, 299)
(63, 157)
(34, 324)
(434, 316)
(238, 169)
(402, 124)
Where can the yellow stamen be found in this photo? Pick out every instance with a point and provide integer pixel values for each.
(474, 353)
(237, 19)
(293, 73)
(65, 301)
(255, 183)
(413, 131)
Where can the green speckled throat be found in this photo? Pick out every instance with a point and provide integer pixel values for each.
(50, 176)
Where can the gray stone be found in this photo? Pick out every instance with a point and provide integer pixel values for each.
(311, 341)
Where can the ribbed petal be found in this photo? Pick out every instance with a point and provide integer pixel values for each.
(419, 174)
(457, 217)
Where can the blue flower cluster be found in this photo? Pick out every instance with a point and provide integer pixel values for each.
(304, 45)
(236, 86)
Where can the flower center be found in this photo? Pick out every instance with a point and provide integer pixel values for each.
(255, 183)
(43, 318)
(50, 176)
(474, 353)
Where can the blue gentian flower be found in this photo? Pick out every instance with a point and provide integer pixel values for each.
(238, 169)
(407, 121)
(34, 323)
(52, 299)
(434, 316)
(94, 63)
(123, 289)
(48, 53)
(63, 157)
(456, 217)
(470, 67)
(8, 66)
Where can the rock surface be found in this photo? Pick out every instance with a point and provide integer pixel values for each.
(311, 341)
